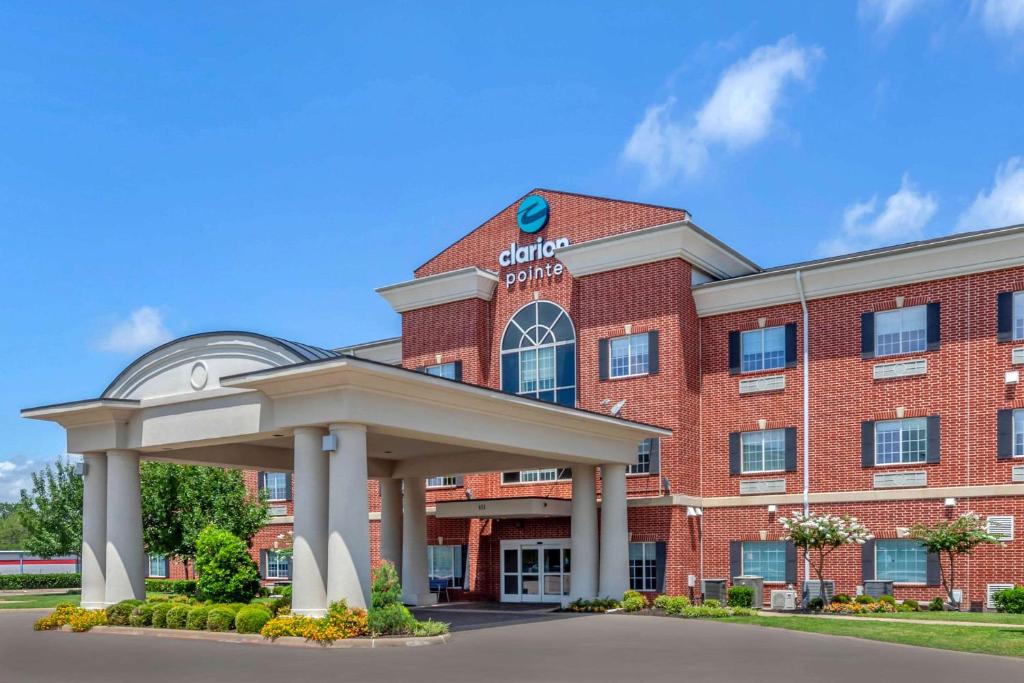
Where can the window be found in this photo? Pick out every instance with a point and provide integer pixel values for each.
(442, 482)
(763, 349)
(904, 330)
(158, 566)
(766, 559)
(446, 370)
(444, 564)
(764, 451)
(276, 485)
(1000, 526)
(278, 565)
(901, 561)
(538, 354)
(643, 566)
(536, 476)
(992, 589)
(901, 441)
(628, 355)
(1018, 433)
(1018, 315)
(647, 449)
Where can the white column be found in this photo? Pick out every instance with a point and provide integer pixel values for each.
(348, 546)
(391, 522)
(614, 532)
(94, 531)
(583, 571)
(309, 546)
(415, 584)
(126, 560)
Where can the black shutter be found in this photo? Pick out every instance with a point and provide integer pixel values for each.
(791, 449)
(1004, 434)
(790, 562)
(261, 480)
(934, 570)
(790, 345)
(655, 456)
(934, 440)
(460, 480)
(465, 564)
(734, 353)
(652, 353)
(510, 373)
(288, 486)
(1004, 317)
(263, 564)
(934, 330)
(734, 453)
(167, 566)
(660, 555)
(867, 443)
(867, 561)
(458, 370)
(867, 335)
(735, 558)
(602, 359)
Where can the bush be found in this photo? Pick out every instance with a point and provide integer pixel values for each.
(887, 599)
(910, 605)
(17, 582)
(142, 615)
(176, 586)
(841, 599)
(864, 600)
(79, 618)
(740, 596)
(672, 604)
(391, 620)
(160, 611)
(711, 603)
(221, 618)
(1010, 600)
(937, 605)
(251, 619)
(425, 629)
(225, 569)
(177, 617)
(118, 614)
(595, 605)
(197, 617)
(815, 604)
(633, 601)
(340, 622)
(386, 589)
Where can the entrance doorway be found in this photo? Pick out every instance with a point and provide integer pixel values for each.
(535, 570)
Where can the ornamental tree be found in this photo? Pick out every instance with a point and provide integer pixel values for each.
(949, 539)
(51, 512)
(818, 536)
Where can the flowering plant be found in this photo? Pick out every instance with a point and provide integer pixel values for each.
(819, 535)
(958, 537)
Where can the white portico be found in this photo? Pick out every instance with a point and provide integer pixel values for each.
(245, 400)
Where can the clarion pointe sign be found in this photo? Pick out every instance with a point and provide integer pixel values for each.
(532, 216)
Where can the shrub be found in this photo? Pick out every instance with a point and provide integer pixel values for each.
(176, 586)
(1010, 600)
(841, 598)
(864, 600)
(429, 628)
(340, 622)
(84, 619)
(197, 617)
(910, 605)
(226, 571)
(937, 605)
(860, 608)
(251, 619)
(815, 604)
(391, 620)
(177, 617)
(280, 605)
(118, 614)
(221, 618)
(740, 596)
(160, 611)
(633, 601)
(386, 589)
(58, 617)
(142, 615)
(15, 582)
(672, 604)
(595, 605)
(887, 599)
(711, 603)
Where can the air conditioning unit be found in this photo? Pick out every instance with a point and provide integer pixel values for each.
(784, 601)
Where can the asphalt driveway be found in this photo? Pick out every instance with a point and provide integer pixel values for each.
(514, 647)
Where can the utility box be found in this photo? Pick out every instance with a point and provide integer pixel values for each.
(715, 589)
(755, 583)
(812, 589)
(877, 589)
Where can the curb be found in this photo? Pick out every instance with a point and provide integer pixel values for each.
(257, 639)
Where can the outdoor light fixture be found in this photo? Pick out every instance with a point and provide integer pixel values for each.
(617, 408)
(469, 494)
(694, 511)
(329, 443)
(1012, 376)
(950, 502)
(772, 509)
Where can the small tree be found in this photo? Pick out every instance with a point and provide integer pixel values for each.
(226, 571)
(950, 539)
(52, 511)
(821, 535)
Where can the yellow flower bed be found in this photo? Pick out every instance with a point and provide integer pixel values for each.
(340, 623)
(80, 619)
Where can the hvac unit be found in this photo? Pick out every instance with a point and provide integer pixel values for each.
(877, 589)
(812, 590)
(784, 601)
(754, 583)
(715, 589)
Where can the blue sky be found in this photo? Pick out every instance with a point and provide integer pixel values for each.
(168, 170)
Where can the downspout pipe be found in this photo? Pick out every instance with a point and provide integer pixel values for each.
(807, 406)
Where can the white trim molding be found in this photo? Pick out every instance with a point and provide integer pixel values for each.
(454, 285)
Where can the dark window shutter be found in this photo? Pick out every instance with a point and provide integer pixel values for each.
(735, 558)
(791, 449)
(734, 353)
(263, 564)
(602, 359)
(1004, 434)
(261, 480)
(934, 570)
(460, 480)
(867, 561)
(790, 563)
(867, 335)
(1004, 317)
(660, 555)
(934, 329)
(288, 486)
(167, 566)
(867, 443)
(652, 353)
(465, 565)
(791, 345)
(510, 373)
(458, 370)
(734, 453)
(934, 439)
(655, 456)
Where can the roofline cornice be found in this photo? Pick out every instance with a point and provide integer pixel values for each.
(454, 285)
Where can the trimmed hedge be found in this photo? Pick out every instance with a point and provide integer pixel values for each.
(197, 618)
(160, 611)
(142, 615)
(177, 617)
(176, 586)
(221, 618)
(251, 619)
(118, 614)
(16, 582)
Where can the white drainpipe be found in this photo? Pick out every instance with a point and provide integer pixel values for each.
(807, 408)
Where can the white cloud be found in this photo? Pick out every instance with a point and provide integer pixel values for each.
(1004, 17)
(1000, 206)
(14, 477)
(144, 329)
(739, 113)
(865, 226)
(886, 13)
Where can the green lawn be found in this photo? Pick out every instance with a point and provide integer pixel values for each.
(979, 617)
(991, 641)
(30, 600)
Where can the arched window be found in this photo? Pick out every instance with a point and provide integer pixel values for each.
(538, 354)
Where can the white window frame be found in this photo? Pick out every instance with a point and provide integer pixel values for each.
(455, 580)
(276, 559)
(762, 433)
(553, 474)
(536, 343)
(637, 370)
(762, 544)
(1018, 316)
(903, 422)
(446, 481)
(648, 571)
(902, 314)
(991, 590)
(445, 370)
(642, 468)
(923, 582)
(1017, 433)
(161, 559)
(1000, 522)
(763, 334)
(266, 476)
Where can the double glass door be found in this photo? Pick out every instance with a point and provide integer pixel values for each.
(535, 571)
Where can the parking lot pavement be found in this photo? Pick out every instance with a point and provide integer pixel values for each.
(514, 648)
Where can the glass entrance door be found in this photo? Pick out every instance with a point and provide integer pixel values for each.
(535, 571)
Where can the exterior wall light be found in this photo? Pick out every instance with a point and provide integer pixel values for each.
(950, 502)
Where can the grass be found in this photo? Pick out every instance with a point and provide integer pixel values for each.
(990, 641)
(31, 600)
(976, 617)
